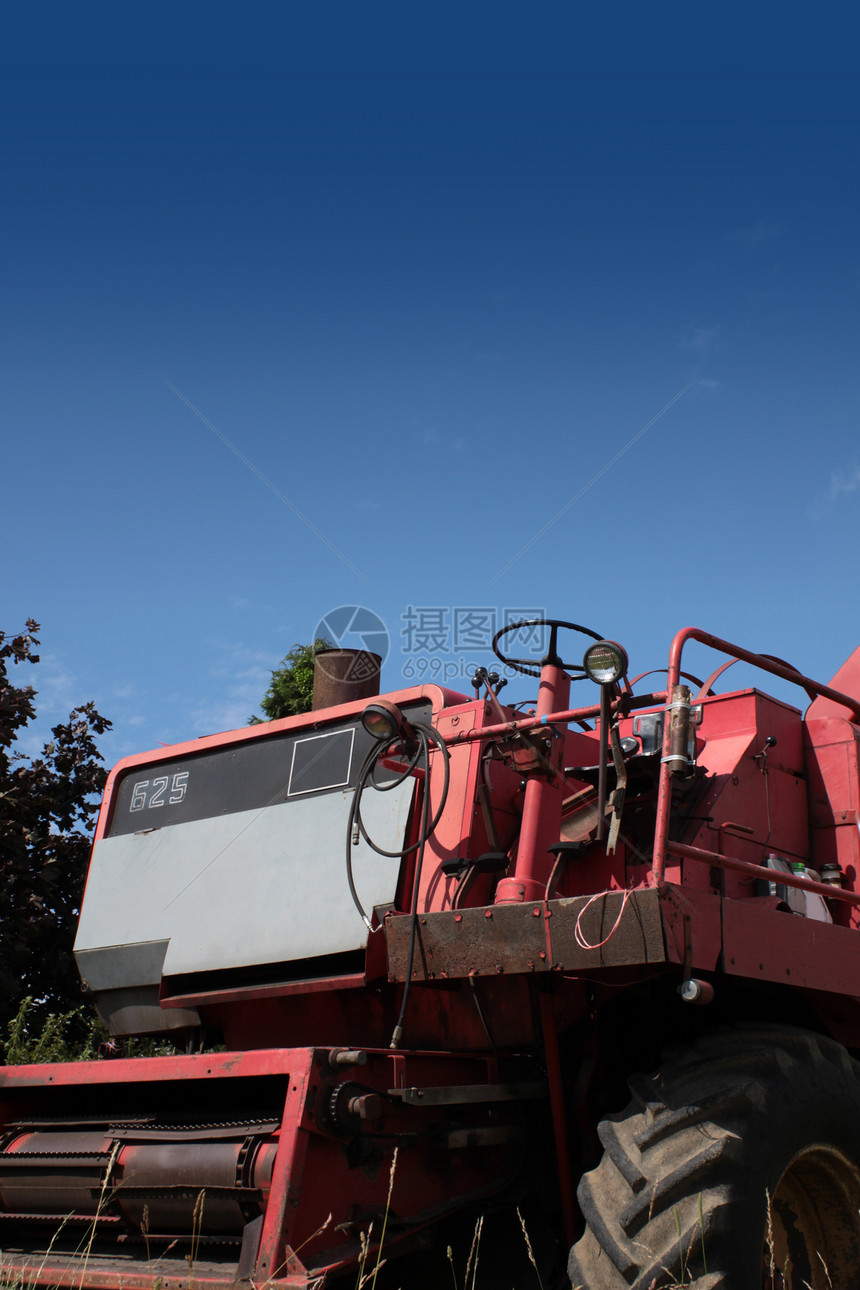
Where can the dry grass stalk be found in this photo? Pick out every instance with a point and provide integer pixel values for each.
(364, 1251)
(531, 1253)
(450, 1255)
(473, 1254)
(117, 1146)
(379, 1258)
(196, 1228)
(313, 1236)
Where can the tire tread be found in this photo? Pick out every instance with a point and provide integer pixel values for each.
(675, 1177)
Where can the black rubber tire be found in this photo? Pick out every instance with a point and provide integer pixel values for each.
(745, 1142)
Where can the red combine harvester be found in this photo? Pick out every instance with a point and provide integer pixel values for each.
(606, 957)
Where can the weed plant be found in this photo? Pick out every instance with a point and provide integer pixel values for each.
(74, 1036)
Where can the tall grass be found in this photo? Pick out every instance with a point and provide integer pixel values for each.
(63, 1036)
(75, 1036)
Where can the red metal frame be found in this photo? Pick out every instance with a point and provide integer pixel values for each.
(297, 1244)
(542, 805)
(664, 792)
(273, 1262)
(534, 810)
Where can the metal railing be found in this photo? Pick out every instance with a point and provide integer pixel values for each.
(662, 844)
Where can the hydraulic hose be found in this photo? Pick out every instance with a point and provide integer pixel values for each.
(420, 759)
(425, 736)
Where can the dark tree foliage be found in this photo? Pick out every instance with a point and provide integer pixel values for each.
(292, 685)
(48, 807)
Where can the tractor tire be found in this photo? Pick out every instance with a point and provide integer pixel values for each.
(735, 1167)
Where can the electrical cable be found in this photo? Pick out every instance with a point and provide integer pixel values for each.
(578, 934)
(480, 1012)
(397, 1033)
(425, 737)
(365, 776)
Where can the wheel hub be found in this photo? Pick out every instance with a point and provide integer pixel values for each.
(813, 1232)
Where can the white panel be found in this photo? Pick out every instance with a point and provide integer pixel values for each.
(259, 886)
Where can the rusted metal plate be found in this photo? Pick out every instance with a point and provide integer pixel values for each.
(536, 936)
(487, 941)
(632, 934)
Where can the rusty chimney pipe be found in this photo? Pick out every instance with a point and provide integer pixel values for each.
(342, 675)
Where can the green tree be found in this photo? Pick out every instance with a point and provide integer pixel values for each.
(292, 685)
(48, 806)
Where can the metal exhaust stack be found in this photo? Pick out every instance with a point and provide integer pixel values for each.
(342, 675)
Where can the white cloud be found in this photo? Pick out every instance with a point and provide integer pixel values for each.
(56, 686)
(698, 340)
(242, 661)
(844, 481)
(426, 437)
(242, 675)
(255, 673)
(29, 743)
(227, 713)
(57, 692)
(756, 234)
(431, 437)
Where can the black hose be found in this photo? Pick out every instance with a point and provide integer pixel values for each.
(397, 1033)
(426, 735)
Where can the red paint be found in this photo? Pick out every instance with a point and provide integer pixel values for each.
(541, 824)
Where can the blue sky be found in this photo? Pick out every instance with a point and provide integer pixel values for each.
(429, 269)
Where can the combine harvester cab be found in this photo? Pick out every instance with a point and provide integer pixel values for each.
(416, 946)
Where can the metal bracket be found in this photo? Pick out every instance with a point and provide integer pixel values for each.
(464, 1094)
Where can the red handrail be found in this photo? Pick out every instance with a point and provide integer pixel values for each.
(664, 792)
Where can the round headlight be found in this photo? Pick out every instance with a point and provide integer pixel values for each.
(382, 720)
(605, 662)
